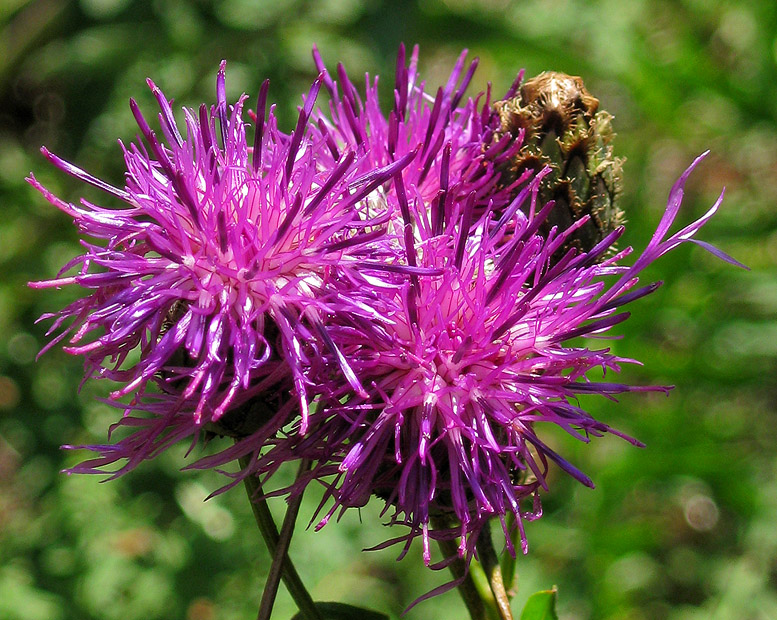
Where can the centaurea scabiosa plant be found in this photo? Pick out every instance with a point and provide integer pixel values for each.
(203, 301)
(206, 302)
(385, 298)
(463, 369)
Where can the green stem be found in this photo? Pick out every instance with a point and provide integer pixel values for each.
(508, 561)
(281, 553)
(271, 538)
(475, 589)
(467, 588)
(490, 562)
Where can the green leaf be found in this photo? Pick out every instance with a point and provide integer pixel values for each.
(341, 611)
(541, 606)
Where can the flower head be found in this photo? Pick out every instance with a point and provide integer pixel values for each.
(207, 284)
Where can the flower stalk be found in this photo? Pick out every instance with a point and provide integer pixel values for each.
(508, 561)
(490, 562)
(278, 546)
(476, 603)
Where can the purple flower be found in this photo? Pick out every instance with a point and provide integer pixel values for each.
(207, 284)
(464, 370)
(463, 365)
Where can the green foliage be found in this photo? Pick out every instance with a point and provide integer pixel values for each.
(683, 529)
(541, 606)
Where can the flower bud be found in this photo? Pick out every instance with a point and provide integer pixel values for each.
(564, 129)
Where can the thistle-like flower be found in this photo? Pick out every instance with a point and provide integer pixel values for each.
(463, 366)
(464, 370)
(208, 284)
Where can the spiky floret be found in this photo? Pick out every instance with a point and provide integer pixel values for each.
(207, 284)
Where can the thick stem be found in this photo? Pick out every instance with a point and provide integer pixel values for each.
(271, 538)
(490, 562)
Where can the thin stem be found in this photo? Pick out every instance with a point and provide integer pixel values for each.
(490, 562)
(484, 588)
(467, 588)
(281, 552)
(474, 589)
(271, 538)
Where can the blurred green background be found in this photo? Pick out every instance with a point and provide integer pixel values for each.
(684, 529)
